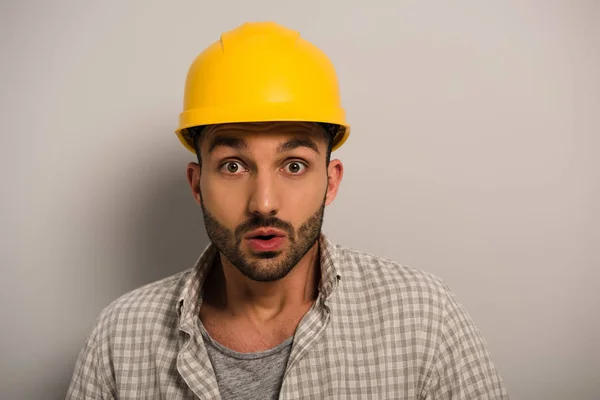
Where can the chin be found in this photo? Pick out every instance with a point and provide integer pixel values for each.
(267, 255)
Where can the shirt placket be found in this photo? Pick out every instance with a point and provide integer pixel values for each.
(309, 331)
(195, 367)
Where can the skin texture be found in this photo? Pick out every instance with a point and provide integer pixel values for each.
(253, 185)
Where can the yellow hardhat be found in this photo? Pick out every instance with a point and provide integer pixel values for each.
(261, 72)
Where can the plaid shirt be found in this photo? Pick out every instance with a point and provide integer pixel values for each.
(377, 330)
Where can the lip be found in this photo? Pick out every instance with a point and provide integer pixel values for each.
(265, 232)
(260, 245)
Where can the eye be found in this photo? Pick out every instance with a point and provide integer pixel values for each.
(232, 167)
(295, 167)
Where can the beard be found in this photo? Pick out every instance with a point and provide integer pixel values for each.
(266, 266)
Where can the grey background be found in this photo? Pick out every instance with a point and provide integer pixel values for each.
(473, 155)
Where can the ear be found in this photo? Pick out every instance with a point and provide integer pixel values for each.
(194, 171)
(335, 173)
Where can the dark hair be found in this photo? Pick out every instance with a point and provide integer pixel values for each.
(196, 134)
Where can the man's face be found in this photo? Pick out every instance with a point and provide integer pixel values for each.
(264, 176)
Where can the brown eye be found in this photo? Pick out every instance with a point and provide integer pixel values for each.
(296, 167)
(232, 167)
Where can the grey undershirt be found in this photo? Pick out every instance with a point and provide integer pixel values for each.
(247, 375)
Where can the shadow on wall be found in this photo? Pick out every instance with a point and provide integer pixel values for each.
(166, 238)
(170, 236)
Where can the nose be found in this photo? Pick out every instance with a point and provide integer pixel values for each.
(264, 199)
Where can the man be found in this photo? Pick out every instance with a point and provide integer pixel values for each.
(273, 309)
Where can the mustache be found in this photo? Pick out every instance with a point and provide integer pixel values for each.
(264, 222)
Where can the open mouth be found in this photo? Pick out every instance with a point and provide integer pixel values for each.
(264, 237)
(263, 243)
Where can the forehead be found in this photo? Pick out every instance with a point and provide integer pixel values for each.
(263, 132)
(248, 128)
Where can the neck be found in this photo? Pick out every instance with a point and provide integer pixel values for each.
(237, 295)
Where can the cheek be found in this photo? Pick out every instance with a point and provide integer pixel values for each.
(225, 200)
(302, 199)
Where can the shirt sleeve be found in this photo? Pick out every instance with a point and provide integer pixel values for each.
(463, 366)
(87, 381)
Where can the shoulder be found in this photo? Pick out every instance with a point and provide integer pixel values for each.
(144, 310)
(121, 335)
(387, 287)
(366, 271)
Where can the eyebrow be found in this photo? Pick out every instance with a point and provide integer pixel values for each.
(295, 143)
(240, 144)
(228, 141)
